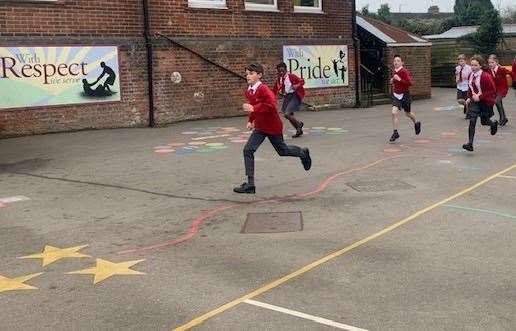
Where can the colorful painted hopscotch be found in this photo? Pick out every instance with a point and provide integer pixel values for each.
(213, 139)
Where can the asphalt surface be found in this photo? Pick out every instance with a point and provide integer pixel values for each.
(423, 247)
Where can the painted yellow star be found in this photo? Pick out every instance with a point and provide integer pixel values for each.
(13, 284)
(51, 254)
(105, 269)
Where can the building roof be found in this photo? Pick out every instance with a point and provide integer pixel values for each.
(397, 16)
(392, 36)
(461, 31)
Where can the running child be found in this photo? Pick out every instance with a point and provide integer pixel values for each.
(265, 123)
(462, 72)
(291, 87)
(500, 79)
(481, 99)
(401, 82)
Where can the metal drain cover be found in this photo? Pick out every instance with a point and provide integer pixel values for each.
(273, 222)
(379, 185)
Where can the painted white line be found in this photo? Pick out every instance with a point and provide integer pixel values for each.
(316, 319)
(511, 177)
(212, 137)
(14, 199)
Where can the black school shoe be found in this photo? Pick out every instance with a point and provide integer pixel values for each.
(468, 147)
(299, 131)
(417, 128)
(306, 159)
(245, 188)
(494, 128)
(395, 135)
(503, 122)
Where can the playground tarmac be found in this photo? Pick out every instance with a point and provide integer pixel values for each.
(138, 229)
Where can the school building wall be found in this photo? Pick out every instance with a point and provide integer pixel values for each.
(230, 37)
(417, 61)
(234, 37)
(84, 23)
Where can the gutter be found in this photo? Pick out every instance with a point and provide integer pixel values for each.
(356, 46)
(148, 46)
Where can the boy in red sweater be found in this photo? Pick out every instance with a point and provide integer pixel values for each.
(291, 88)
(265, 123)
(500, 79)
(481, 99)
(401, 81)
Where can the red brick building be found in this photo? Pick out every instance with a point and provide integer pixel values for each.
(379, 42)
(188, 67)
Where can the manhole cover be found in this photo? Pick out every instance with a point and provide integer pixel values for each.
(273, 222)
(379, 185)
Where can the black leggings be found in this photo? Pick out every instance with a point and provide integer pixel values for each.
(499, 106)
(473, 123)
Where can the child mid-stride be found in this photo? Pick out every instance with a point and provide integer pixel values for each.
(265, 123)
(401, 82)
(291, 87)
(462, 72)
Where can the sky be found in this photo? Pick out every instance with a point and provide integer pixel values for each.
(422, 5)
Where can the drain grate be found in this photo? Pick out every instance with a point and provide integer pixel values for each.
(273, 222)
(379, 185)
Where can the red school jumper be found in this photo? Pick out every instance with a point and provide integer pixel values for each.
(514, 72)
(488, 88)
(265, 115)
(402, 86)
(295, 80)
(500, 80)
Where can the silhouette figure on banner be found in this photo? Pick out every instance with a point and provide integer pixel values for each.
(102, 90)
(339, 66)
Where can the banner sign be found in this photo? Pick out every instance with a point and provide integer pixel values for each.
(319, 65)
(47, 76)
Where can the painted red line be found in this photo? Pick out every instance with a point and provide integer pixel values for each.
(193, 229)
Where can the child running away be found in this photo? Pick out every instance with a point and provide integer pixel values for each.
(401, 82)
(265, 123)
(502, 87)
(462, 72)
(481, 99)
(291, 87)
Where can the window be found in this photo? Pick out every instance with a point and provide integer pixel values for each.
(308, 6)
(18, 1)
(216, 4)
(263, 5)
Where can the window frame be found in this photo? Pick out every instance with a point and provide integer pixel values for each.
(209, 4)
(22, 2)
(261, 7)
(309, 10)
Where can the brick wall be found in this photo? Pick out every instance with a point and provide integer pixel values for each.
(233, 38)
(417, 60)
(230, 37)
(89, 23)
(208, 91)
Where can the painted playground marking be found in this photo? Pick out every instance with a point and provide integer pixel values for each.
(487, 211)
(510, 177)
(200, 137)
(194, 227)
(295, 313)
(5, 201)
(217, 311)
(448, 108)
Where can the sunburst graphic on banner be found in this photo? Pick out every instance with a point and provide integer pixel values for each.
(55, 75)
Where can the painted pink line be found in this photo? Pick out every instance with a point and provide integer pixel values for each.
(194, 227)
